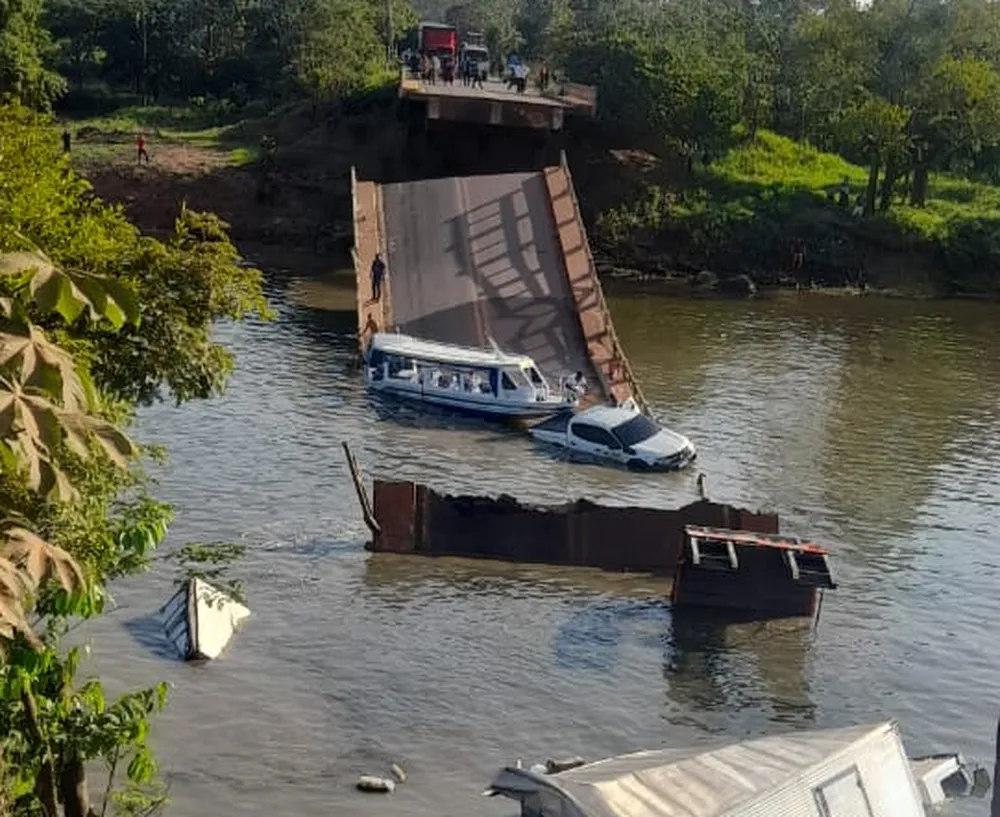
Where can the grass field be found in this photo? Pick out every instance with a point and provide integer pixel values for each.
(110, 139)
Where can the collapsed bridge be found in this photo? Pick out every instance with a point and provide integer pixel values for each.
(501, 256)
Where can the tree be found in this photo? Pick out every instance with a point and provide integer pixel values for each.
(337, 50)
(26, 52)
(88, 330)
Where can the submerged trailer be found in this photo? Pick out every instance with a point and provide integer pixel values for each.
(858, 771)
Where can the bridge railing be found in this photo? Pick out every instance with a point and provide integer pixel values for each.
(618, 353)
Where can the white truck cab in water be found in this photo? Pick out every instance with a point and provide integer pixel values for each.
(621, 435)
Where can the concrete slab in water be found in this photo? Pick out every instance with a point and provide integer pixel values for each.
(478, 256)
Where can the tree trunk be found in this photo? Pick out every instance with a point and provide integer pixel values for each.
(888, 184)
(45, 785)
(73, 787)
(918, 192)
(872, 190)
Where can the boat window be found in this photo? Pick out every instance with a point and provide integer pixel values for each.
(533, 375)
(843, 796)
(593, 434)
(508, 383)
(636, 430)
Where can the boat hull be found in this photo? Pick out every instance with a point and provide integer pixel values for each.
(466, 403)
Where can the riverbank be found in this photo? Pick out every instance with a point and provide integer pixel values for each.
(280, 179)
(725, 228)
(739, 218)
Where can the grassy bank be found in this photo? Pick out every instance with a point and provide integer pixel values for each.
(742, 214)
(296, 195)
(739, 215)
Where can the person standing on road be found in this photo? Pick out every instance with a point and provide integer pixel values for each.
(140, 145)
(378, 274)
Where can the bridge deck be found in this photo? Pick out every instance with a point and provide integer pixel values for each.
(493, 90)
(502, 256)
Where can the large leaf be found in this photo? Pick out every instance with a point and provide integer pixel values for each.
(38, 362)
(15, 589)
(69, 293)
(41, 562)
(33, 427)
(26, 561)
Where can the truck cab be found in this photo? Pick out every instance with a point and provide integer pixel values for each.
(475, 56)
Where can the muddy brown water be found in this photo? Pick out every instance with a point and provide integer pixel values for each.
(872, 425)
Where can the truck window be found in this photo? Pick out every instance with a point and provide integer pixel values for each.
(593, 434)
(636, 430)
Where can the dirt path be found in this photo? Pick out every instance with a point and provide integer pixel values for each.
(208, 178)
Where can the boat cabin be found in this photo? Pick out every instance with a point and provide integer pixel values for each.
(487, 380)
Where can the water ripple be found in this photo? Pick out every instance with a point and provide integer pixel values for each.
(871, 425)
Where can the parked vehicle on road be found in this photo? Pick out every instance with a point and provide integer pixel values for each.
(621, 435)
(437, 40)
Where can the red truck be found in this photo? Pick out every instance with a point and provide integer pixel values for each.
(438, 39)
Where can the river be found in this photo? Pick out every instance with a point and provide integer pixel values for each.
(872, 425)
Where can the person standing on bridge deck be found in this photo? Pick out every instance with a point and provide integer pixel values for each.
(574, 387)
(378, 274)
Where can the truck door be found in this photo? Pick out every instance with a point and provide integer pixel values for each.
(593, 440)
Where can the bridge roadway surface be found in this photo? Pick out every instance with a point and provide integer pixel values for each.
(477, 257)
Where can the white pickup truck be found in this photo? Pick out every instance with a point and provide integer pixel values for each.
(620, 435)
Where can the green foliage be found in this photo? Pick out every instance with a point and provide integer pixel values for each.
(95, 319)
(741, 213)
(25, 51)
(211, 562)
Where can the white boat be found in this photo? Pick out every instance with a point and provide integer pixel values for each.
(487, 382)
(859, 771)
(621, 435)
(200, 620)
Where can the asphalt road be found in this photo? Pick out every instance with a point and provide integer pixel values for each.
(477, 257)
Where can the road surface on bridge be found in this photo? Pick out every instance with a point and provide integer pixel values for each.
(478, 257)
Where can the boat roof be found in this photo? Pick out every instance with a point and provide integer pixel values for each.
(607, 416)
(408, 346)
(692, 782)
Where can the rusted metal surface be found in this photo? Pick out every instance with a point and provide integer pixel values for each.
(396, 514)
(603, 347)
(761, 577)
(368, 240)
(476, 257)
(581, 534)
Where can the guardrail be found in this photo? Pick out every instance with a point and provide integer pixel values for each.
(617, 351)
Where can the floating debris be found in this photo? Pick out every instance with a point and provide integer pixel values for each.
(380, 785)
(398, 771)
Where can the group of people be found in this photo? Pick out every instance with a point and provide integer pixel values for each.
(430, 67)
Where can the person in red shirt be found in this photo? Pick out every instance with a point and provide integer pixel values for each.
(140, 145)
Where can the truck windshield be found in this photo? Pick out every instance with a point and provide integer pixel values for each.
(636, 430)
